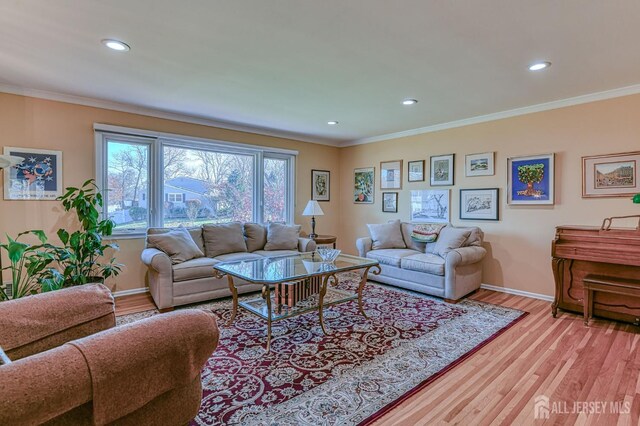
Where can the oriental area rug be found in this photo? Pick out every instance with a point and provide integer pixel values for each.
(361, 370)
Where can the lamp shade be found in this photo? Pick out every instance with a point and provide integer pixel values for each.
(312, 209)
(9, 160)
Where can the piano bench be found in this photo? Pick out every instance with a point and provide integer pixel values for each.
(604, 284)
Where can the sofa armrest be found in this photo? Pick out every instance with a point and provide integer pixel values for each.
(160, 276)
(38, 323)
(465, 256)
(306, 245)
(364, 245)
(158, 260)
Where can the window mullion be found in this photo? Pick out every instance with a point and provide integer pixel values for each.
(258, 209)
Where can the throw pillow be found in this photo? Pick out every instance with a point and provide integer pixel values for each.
(386, 235)
(450, 238)
(282, 237)
(256, 236)
(223, 238)
(426, 233)
(177, 244)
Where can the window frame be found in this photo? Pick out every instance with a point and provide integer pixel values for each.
(157, 141)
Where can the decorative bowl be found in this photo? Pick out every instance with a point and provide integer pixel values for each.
(328, 254)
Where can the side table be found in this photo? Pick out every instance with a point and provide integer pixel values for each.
(325, 239)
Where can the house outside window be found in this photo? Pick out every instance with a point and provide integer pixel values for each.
(155, 180)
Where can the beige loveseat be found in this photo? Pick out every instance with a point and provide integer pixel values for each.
(175, 282)
(430, 268)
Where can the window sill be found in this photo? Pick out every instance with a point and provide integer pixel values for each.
(131, 236)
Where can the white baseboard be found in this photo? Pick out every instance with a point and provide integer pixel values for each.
(130, 292)
(517, 292)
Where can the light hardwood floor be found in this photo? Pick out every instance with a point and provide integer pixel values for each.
(556, 357)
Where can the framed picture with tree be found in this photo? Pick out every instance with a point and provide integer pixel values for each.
(530, 179)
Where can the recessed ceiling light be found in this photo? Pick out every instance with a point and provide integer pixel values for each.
(409, 102)
(332, 122)
(537, 66)
(116, 45)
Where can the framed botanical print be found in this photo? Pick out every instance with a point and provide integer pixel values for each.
(530, 179)
(320, 185)
(415, 171)
(363, 185)
(479, 204)
(611, 175)
(390, 202)
(479, 164)
(38, 177)
(391, 174)
(442, 170)
(430, 206)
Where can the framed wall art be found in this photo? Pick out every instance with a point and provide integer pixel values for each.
(363, 185)
(479, 164)
(38, 177)
(391, 174)
(415, 171)
(530, 179)
(320, 185)
(430, 206)
(390, 202)
(442, 170)
(612, 175)
(479, 204)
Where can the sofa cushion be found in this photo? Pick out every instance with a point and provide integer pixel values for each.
(391, 257)
(177, 244)
(429, 263)
(276, 253)
(194, 269)
(195, 232)
(223, 238)
(236, 257)
(282, 237)
(450, 238)
(386, 235)
(255, 236)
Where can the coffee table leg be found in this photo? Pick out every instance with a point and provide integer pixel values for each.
(234, 293)
(266, 292)
(363, 281)
(323, 292)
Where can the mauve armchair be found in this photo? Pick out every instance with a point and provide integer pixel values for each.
(71, 365)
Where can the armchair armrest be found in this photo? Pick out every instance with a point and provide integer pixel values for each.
(465, 256)
(306, 244)
(157, 260)
(38, 323)
(364, 246)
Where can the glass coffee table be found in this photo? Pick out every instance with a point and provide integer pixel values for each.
(294, 285)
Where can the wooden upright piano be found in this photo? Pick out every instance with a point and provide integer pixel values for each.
(578, 251)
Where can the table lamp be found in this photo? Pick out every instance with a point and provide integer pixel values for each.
(313, 209)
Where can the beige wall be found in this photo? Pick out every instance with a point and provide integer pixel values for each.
(519, 245)
(37, 123)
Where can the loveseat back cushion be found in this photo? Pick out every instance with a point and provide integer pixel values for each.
(223, 238)
(475, 238)
(177, 244)
(255, 236)
(195, 232)
(450, 238)
(282, 237)
(386, 235)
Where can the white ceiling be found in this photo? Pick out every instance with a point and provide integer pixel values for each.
(291, 65)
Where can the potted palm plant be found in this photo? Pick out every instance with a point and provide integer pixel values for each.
(80, 257)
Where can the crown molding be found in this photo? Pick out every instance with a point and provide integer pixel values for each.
(562, 103)
(157, 113)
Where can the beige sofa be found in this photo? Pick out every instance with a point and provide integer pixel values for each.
(173, 284)
(421, 267)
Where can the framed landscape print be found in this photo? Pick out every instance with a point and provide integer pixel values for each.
(38, 177)
(479, 204)
(430, 206)
(390, 202)
(363, 185)
(415, 171)
(479, 164)
(442, 170)
(391, 174)
(320, 180)
(530, 179)
(612, 175)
